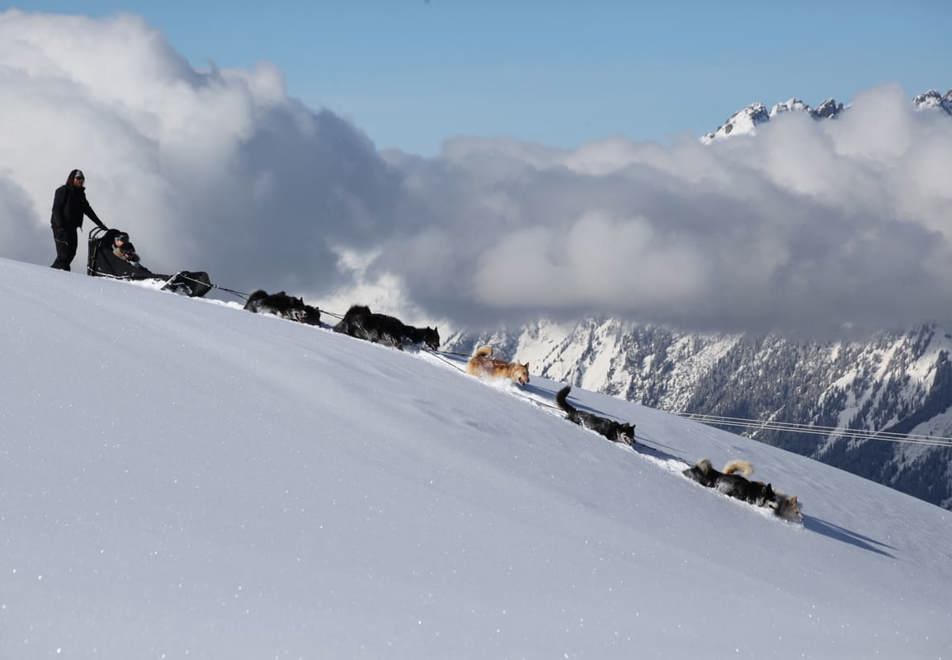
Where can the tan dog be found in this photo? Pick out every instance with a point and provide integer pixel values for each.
(483, 365)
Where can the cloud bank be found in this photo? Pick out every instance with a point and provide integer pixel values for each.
(808, 227)
(217, 170)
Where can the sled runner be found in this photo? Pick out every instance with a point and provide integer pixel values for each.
(107, 259)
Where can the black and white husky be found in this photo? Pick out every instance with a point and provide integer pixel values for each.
(622, 432)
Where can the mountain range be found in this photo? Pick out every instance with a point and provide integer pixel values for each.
(745, 120)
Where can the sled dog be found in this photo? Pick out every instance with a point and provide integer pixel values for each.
(614, 431)
(282, 305)
(360, 322)
(483, 365)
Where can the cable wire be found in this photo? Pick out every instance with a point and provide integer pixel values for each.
(826, 431)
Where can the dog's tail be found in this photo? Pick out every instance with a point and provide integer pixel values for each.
(744, 467)
(483, 351)
(560, 398)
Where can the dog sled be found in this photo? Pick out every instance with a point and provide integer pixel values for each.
(112, 255)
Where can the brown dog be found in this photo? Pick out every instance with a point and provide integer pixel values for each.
(483, 365)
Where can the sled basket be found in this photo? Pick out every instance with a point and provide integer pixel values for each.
(101, 261)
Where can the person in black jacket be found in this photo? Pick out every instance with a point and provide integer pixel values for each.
(69, 207)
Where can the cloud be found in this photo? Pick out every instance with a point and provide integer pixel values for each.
(20, 238)
(806, 227)
(217, 170)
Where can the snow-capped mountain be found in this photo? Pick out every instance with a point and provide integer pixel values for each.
(933, 100)
(829, 108)
(790, 105)
(894, 382)
(742, 122)
(746, 120)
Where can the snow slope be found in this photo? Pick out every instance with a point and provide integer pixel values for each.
(182, 479)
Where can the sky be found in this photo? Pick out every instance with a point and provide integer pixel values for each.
(414, 73)
(811, 227)
(197, 481)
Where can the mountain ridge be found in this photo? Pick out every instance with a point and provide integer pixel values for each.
(746, 120)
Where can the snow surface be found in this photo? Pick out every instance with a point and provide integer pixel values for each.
(742, 122)
(182, 479)
(792, 104)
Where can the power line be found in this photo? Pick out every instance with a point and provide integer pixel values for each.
(830, 429)
(810, 429)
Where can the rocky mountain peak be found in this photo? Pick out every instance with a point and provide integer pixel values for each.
(790, 105)
(827, 110)
(741, 122)
(933, 100)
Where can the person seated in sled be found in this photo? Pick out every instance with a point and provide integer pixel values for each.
(112, 254)
(123, 248)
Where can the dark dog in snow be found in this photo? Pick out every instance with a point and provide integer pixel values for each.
(614, 431)
(360, 322)
(740, 487)
(282, 305)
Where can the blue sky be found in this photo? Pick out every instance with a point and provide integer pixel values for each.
(412, 73)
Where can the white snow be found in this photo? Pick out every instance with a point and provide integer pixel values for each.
(693, 357)
(790, 105)
(181, 479)
(742, 122)
(541, 340)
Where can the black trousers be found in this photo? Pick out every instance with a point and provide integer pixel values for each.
(66, 241)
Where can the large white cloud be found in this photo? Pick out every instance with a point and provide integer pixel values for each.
(218, 170)
(807, 226)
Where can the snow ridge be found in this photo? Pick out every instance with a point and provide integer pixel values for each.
(745, 121)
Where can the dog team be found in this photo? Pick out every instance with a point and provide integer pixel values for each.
(358, 322)
(361, 323)
(482, 364)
